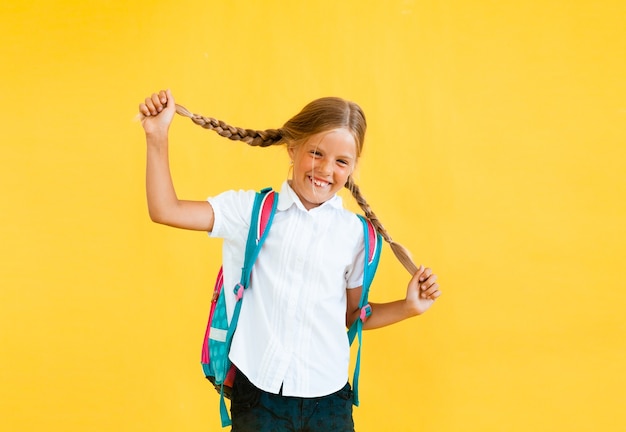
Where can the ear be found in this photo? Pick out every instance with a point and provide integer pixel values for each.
(292, 153)
(355, 166)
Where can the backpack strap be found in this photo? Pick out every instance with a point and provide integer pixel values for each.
(263, 211)
(262, 216)
(373, 247)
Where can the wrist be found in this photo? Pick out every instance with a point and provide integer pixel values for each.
(411, 309)
(156, 132)
(156, 138)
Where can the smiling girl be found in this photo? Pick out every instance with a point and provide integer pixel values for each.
(290, 347)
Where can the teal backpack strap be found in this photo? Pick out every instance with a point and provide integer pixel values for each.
(260, 223)
(226, 421)
(373, 247)
(263, 211)
(256, 236)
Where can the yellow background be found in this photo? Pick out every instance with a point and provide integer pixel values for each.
(496, 152)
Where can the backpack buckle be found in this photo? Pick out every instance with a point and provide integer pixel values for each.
(366, 311)
(239, 291)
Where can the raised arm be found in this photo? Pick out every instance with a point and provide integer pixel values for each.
(422, 291)
(164, 206)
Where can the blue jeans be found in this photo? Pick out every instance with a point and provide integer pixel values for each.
(254, 410)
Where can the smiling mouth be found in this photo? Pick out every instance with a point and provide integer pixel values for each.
(318, 183)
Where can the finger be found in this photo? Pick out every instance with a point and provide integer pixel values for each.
(428, 282)
(163, 97)
(169, 99)
(425, 274)
(149, 103)
(435, 295)
(415, 280)
(143, 110)
(434, 288)
(156, 101)
(418, 273)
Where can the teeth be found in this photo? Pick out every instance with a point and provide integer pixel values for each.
(319, 183)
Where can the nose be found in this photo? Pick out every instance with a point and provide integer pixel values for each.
(324, 166)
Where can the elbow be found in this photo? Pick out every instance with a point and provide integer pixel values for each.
(157, 216)
(154, 218)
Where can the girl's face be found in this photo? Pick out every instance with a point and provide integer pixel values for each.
(321, 166)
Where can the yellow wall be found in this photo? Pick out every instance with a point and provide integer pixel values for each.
(496, 152)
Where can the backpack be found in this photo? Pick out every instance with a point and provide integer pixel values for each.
(218, 335)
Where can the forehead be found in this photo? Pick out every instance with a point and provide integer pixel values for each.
(335, 140)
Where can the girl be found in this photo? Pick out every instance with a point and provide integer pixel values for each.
(290, 346)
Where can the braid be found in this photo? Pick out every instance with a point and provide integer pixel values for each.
(251, 137)
(401, 253)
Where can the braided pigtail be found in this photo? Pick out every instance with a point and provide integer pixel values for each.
(403, 255)
(251, 137)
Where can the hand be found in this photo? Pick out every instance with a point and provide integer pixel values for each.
(157, 112)
(422, 291)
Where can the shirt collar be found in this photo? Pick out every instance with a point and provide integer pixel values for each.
(288, 197)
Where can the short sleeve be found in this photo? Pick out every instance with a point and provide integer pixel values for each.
(232, 211)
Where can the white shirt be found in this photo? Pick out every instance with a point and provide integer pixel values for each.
(291, 330)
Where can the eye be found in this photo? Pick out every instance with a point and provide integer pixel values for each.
(315, 153)
(342, 162)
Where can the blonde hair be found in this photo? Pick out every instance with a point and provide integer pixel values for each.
(318, 116)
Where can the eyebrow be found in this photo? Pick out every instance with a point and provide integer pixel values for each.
(316, 147)
(346, 157)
